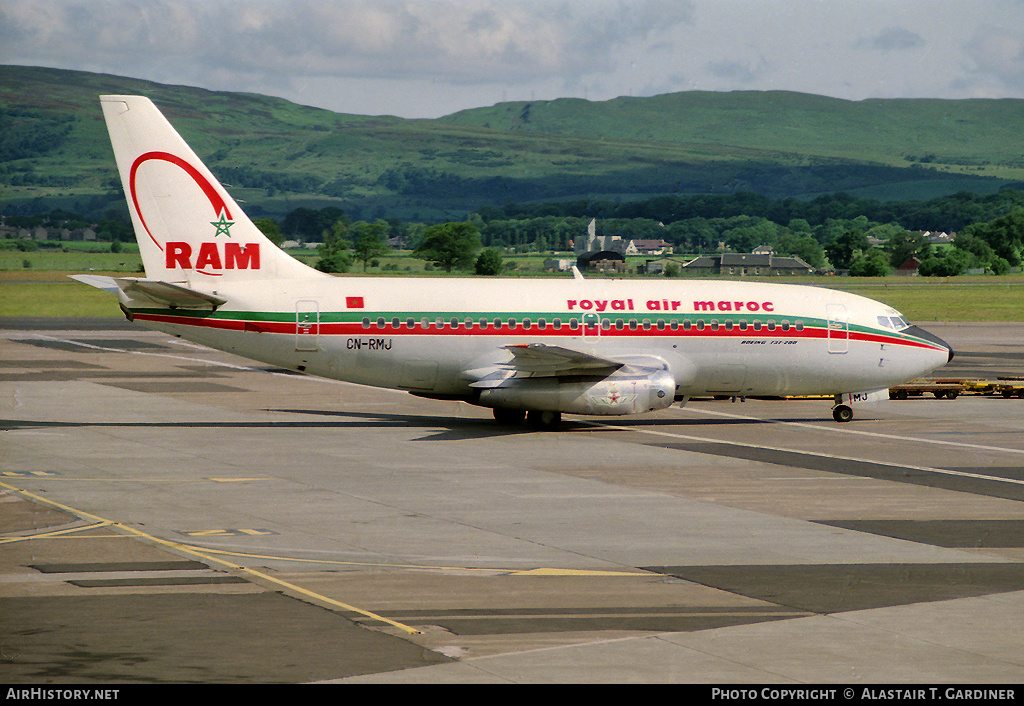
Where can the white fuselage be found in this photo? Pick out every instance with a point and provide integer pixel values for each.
(429, 335)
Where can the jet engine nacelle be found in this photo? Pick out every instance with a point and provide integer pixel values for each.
(618, 394)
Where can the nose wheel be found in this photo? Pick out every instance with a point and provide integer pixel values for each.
(842, 413)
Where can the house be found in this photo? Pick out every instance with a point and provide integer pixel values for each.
(657, 266)
(558, 265)
(909, 268)
(746, 264)
(648, 247)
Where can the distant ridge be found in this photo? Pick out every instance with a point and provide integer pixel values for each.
(278, 155)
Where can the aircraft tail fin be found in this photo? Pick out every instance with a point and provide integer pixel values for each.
(188, 227)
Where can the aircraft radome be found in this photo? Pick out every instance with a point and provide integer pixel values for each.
(533, 348)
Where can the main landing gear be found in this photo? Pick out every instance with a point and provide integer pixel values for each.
(536, 419)
(842, 412)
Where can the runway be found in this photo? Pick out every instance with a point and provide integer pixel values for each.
(169, 513)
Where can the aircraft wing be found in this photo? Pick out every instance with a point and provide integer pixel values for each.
(535, 360)
(539, 359)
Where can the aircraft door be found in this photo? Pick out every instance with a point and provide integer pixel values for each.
(838, 328)
(307, 325)
(591, 325)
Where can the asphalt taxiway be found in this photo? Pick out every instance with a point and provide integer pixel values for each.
(169, 513)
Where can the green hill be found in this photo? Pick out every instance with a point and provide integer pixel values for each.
(277, 155)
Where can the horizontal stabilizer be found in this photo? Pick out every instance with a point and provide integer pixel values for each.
(107, 284)
(173, 295)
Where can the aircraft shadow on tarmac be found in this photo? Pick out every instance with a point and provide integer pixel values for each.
(454, 428)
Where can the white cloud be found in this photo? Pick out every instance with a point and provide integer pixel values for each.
(430, 57)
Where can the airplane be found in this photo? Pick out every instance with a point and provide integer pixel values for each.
(527, 349)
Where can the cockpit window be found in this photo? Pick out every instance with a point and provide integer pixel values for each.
(897, 323)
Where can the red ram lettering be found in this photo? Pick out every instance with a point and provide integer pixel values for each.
(178, 254)
(236, 256)
(245, 257)
(209, 257)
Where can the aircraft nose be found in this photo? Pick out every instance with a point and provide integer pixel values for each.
(921, 333)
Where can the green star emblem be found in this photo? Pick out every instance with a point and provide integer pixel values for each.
(222, 225)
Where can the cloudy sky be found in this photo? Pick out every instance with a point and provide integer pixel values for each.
(426, 58)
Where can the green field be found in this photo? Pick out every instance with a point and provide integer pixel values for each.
(44, 288)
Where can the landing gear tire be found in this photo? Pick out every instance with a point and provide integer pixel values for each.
(509, 417)
(543, 420)
(842, 413)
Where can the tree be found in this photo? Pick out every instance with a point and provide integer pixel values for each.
(489, 262)
(269, 228)
(873, 263)
(449, 245)
(334, 255)
(951, 263)
(369, 240)
(905, 245)
(846, 248)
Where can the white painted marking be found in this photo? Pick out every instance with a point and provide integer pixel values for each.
(835, 429)
(835, 457)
